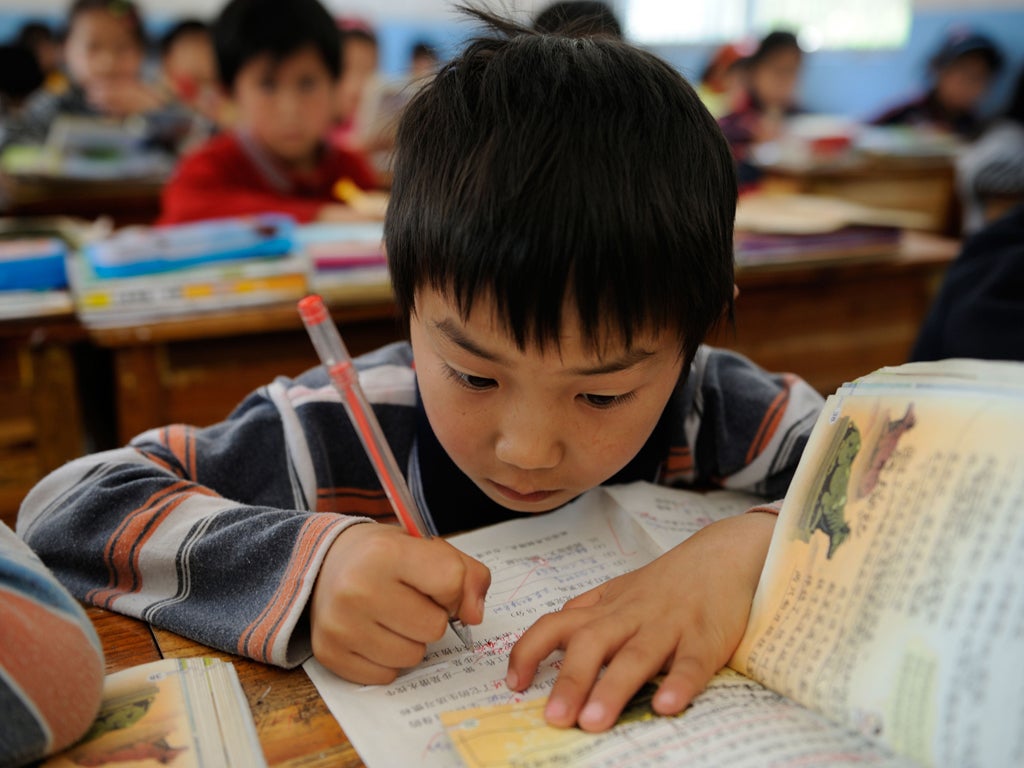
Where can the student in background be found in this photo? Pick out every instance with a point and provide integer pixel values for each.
(48, 49)
(51, 661)
(961, 72)
(559, 263)
(358, 88)
(772, 76)
(104, 52)
(979, 310)
(423, 61)
(280, 63)
(189, 67)
(991, 170)
(723, 84)
(579, 17)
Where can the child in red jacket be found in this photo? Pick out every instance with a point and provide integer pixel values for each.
(280, 63)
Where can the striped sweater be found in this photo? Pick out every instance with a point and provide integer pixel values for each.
(51, 662)
(218, 533)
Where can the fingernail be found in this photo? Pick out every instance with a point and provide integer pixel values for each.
(666, 701)
(592, 714)
(512, 681)
(555, 710)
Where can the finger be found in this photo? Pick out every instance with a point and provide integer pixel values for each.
(549, 633)
(474, 590)
(411, 614)
(585, 654)
(686, 678)
(586, 600)
(358, 669)
(436, 569)
(634, 664)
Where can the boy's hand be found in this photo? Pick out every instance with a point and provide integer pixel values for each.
(683, 614)
(382, 595)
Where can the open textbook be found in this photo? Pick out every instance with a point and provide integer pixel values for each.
(886, 630)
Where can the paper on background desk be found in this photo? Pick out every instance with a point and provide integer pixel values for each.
(537, 563)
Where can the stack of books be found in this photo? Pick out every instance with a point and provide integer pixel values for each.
(142, 275)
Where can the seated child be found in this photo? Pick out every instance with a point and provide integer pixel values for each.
(51, 661)
(723, 86)
(189, 67)
(104, 52)
(280, 63)
(771, 73)
(560, 241)
(48, 50)
(961, 72)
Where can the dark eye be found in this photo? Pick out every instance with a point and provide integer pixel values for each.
(601, 401)
(475, 383)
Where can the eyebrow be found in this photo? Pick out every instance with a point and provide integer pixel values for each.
(457, 336)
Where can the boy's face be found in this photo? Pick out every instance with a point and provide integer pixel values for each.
(963, 82)
(191, 65)
(102, 50)
(286, 105)
(775, 79)
(534, 429)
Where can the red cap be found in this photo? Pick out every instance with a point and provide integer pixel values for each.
(312, 309)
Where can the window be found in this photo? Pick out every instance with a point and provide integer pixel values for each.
(850, 24)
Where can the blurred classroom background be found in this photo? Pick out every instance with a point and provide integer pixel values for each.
(134, 294)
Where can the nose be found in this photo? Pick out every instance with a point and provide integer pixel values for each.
(530, 441)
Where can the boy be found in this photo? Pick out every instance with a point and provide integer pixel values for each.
(104, 52)
(560, 239)
(280, 62)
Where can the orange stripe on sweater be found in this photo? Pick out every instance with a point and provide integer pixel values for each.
(124, 547)
(772, 418)
(181, 441)
(354, 501)
(257, 640)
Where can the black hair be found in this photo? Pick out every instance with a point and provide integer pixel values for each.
(20, 74)
(772, 43)
(122, 8)
(180, 30)
(536, 169)
(423, 48)
(32, 33)
(1015, 109)
(358, 31)
(247, 29)
(961, 43)
(578, 18)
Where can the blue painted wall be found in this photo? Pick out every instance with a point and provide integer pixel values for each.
(853, 83)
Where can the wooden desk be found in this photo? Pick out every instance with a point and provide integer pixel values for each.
(195, 370)
(41, 421)
(926, 185)
(294, 725)
(126, 201)
(831, 322)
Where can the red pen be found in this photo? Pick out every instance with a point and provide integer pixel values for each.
(345, 378)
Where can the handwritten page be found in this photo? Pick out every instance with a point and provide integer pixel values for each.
(892, 599)
(537, 563)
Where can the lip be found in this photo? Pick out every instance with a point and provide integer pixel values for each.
(523, 498)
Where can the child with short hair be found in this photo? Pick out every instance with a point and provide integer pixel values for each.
(104, 52)
(960, 74)
(280, 62)
(560, 241)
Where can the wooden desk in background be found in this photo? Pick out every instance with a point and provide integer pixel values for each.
(41, 420)
(828, 322)
(294, 726)
(125, 201)
(195, 370)
(833, 321)
(923, 184)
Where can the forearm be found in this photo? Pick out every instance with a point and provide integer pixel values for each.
(124, 534)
